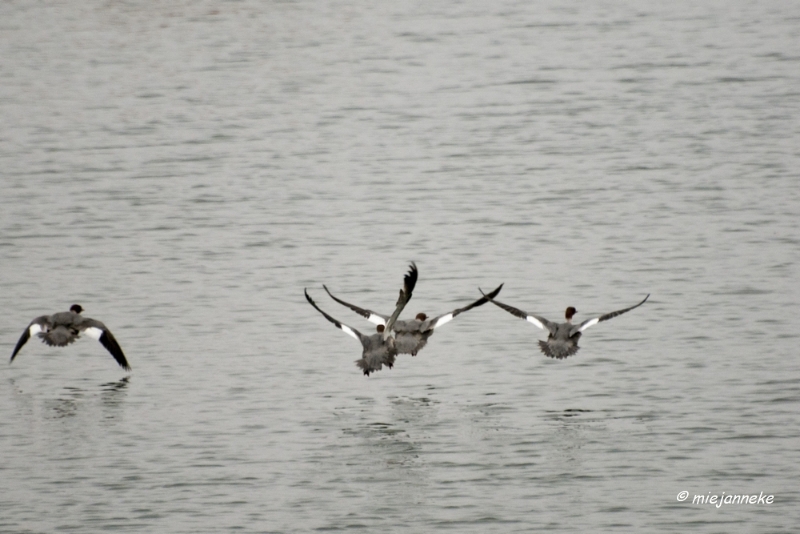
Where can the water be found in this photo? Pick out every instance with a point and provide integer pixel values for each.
(183, 171)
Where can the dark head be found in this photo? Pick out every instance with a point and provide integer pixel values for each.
(76, 308)
(421, 317)
(381, 328)
(570, 312)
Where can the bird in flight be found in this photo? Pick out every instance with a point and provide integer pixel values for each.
(63, 328)
(412, 335)
(563, 339)
(378, 349)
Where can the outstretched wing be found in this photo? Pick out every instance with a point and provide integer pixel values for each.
(541, 322)
(445, 318)
(371, 316)
(409, 281)
(34, 328)
(591, 322)
(97, 330)
(343, 327)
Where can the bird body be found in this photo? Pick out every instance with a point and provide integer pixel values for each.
(412, 335)
(562, 340)
(64, 328)
(378, 349)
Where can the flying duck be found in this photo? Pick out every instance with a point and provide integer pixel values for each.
(379, 348)
(63, 328)
(563, 339)
(412, 335)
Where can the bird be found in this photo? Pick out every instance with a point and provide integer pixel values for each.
(412, 335)
(63, 328)
(378, 349)
(563, 339)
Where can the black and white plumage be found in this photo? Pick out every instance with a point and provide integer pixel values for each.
(412, 335)
(63, 328)
(563, 339)
(378, 349)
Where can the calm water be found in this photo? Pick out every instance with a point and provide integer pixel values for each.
(183, 171)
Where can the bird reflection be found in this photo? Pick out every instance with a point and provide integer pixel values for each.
(75, 399)
(67, 404)
(118, 385)
(112, 394)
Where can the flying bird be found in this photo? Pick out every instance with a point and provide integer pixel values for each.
(63, 328)
(412, 335)
(379, 348)
(563, 339)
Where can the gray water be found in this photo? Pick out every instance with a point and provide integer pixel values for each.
(184, 170)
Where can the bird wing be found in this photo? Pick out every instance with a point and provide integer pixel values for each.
(34, 328)
(97, 330)
(409, 281)
(445, 318)
(371, 316)
(591, 322)
(541, 322)
(343, 327)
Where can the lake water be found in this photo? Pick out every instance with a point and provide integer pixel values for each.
(184, 170)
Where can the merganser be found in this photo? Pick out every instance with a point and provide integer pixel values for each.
(412, 335)
(563, 339)
(379, 348)
(63, 328)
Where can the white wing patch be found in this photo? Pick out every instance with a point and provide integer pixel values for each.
(93, 332)
(534, 320)
(376, 319)
(35, 329)
(347, 330)
(589, 323)
(444, 319)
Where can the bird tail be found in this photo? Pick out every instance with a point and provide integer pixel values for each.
(558, 351)
(371, 364)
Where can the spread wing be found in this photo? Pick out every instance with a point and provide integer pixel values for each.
(371, 316)
(343, 327)
(34, 328)
(445, 318)
(97, 330)
(409, 281)
(591, 322)
(541, 322)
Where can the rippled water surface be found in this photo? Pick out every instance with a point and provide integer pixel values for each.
(184, 170)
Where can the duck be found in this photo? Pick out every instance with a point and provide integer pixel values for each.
(64, 328)
(412, 335)
(562, 340)
(379, 349)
